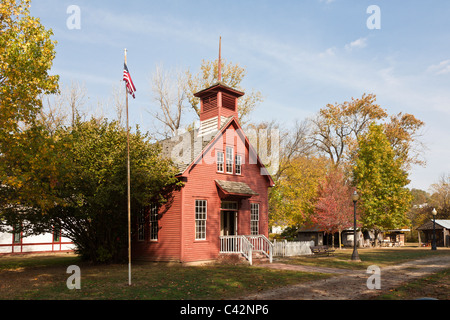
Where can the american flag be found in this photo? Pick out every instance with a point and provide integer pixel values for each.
(127, 78)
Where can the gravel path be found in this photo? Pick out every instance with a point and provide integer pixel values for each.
(350, 284)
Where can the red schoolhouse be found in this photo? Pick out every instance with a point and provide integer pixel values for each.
(223, 206)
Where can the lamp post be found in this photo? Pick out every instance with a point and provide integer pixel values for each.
(433, 245)
(355, 198)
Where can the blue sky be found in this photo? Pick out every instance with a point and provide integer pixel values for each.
(300, 54)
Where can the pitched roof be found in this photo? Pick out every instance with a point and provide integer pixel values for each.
(186, 149)
(235, 188)
(215, 87)
(439, 225)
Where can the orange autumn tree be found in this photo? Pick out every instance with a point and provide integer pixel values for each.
(334, 207)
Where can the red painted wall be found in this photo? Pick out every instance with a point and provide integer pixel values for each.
(176, 239)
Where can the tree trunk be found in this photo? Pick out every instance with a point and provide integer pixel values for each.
(340, 242)
(332, 240)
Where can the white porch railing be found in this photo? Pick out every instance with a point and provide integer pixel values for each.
(246, 245)
(262, 244)
(237, 244)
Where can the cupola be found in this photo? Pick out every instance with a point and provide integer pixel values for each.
(218, 104)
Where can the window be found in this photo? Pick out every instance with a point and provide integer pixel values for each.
(228, 205)
(17, 237)
(141, 225)
(254, 218)
(154, 222)
(200, 219)
(229, 160)
(219, 161)
(56, 234)
(238, 164)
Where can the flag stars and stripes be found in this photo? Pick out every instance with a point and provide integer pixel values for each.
(129, 83)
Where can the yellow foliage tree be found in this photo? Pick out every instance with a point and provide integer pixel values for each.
(292, 201)
(26, 56)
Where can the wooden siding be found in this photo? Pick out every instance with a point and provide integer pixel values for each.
(167, 247)
(201, 186)
(176, 239)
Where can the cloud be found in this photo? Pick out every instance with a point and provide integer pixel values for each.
(442, 68)
(328, 53)
(357, 44)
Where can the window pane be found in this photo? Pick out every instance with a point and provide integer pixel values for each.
(220, 161)
(238, 164)
(154, 222)
(254, 218)
(17, 236)
(200, 219)
(229, 205)
(229, 160)
(56, 234)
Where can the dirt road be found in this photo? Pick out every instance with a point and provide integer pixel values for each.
(351, 284)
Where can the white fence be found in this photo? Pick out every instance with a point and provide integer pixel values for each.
(292, 248)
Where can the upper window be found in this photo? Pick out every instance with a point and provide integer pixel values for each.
(219, 161)
(229, 160)
(238, 165)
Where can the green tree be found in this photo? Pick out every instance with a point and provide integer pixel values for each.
(381, 181)
(90, 188)
(336, 129)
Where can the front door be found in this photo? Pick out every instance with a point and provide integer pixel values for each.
(228, 223)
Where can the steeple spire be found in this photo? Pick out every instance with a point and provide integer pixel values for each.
(219, 77)
(218, 103)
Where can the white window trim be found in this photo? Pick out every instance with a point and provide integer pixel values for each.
(153, 219)
(229, 160)
(254, 223)
(238, 165)
(200, 223)
(220, 161)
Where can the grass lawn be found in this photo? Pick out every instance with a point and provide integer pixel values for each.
(436, 285)
(44, 277)
(380, 257)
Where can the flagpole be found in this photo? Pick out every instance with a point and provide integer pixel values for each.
(128, 185)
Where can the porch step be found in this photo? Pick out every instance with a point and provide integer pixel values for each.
(232, 258)
(259, 258)
(238, 258)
